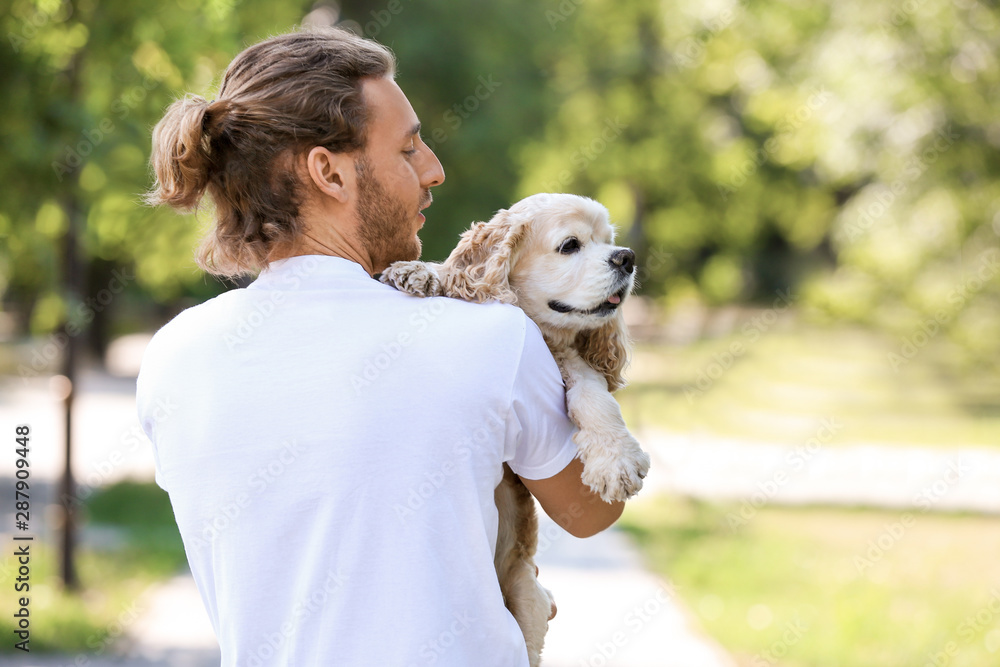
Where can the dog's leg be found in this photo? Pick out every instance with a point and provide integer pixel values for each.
(529, 603)
(416, 278)
(613, 462)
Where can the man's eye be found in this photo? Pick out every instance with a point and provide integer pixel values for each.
(410, 151)
(569, 246)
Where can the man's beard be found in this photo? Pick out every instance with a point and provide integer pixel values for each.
(386, 226)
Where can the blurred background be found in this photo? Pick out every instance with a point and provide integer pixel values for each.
(812, 192)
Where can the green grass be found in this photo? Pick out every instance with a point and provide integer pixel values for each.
(788, 589)
(113, 580)
(778, 387)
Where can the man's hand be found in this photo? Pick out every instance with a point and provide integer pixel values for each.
(572, 504)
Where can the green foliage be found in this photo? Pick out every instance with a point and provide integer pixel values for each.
(131, 505)
(88, 81)
(142, 510)
(85, 83)
(845, 148)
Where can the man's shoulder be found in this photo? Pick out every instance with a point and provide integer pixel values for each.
(192, 324)
(485, 321)
(491, 332)
(206, 311)
(491, 312)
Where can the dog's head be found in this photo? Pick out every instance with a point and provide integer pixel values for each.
(554, 256)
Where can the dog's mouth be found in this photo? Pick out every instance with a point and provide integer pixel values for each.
(602, 309)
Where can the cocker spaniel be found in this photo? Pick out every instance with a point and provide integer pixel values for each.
(553, 256)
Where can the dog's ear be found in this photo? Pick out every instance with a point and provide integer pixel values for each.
(478, 269)
(606, 349)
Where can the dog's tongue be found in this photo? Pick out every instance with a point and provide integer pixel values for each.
(614, 298)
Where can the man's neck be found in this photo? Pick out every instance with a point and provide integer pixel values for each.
(312, 241)
(346, 251)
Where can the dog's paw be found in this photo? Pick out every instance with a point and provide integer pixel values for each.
(614, 465)
(416, 278)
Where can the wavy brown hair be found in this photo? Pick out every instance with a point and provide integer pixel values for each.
(278, 98)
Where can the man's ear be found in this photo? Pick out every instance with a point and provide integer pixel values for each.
(331, 173)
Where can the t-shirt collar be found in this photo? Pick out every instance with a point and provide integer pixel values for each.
(311, 272)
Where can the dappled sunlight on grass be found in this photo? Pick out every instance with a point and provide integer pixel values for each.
(823, 587)
(778, 387)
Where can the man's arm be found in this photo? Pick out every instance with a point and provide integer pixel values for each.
(572, 504)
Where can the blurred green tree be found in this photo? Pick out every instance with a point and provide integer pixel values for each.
(85, 83)
(845, 150)
(681, 118)
(88, 81)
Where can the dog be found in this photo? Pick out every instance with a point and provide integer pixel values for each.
(553, 256)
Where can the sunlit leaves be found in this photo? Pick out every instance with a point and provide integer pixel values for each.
(86, 83)
(779, 132)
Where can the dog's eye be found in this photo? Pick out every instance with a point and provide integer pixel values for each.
(569, 246)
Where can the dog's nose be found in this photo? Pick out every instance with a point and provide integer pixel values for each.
(622, 260)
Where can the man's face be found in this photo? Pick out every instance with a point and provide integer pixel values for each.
(394, 176)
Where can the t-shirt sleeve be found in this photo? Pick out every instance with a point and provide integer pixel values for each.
(539, 432)
(149, 408)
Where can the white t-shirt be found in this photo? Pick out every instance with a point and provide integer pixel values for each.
(331, 446)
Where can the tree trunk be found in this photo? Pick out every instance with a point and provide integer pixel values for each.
(72, 279)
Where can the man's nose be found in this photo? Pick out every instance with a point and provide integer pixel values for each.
(622, 261)
(434, 172)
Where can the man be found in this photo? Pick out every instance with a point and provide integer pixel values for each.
(332, 445)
